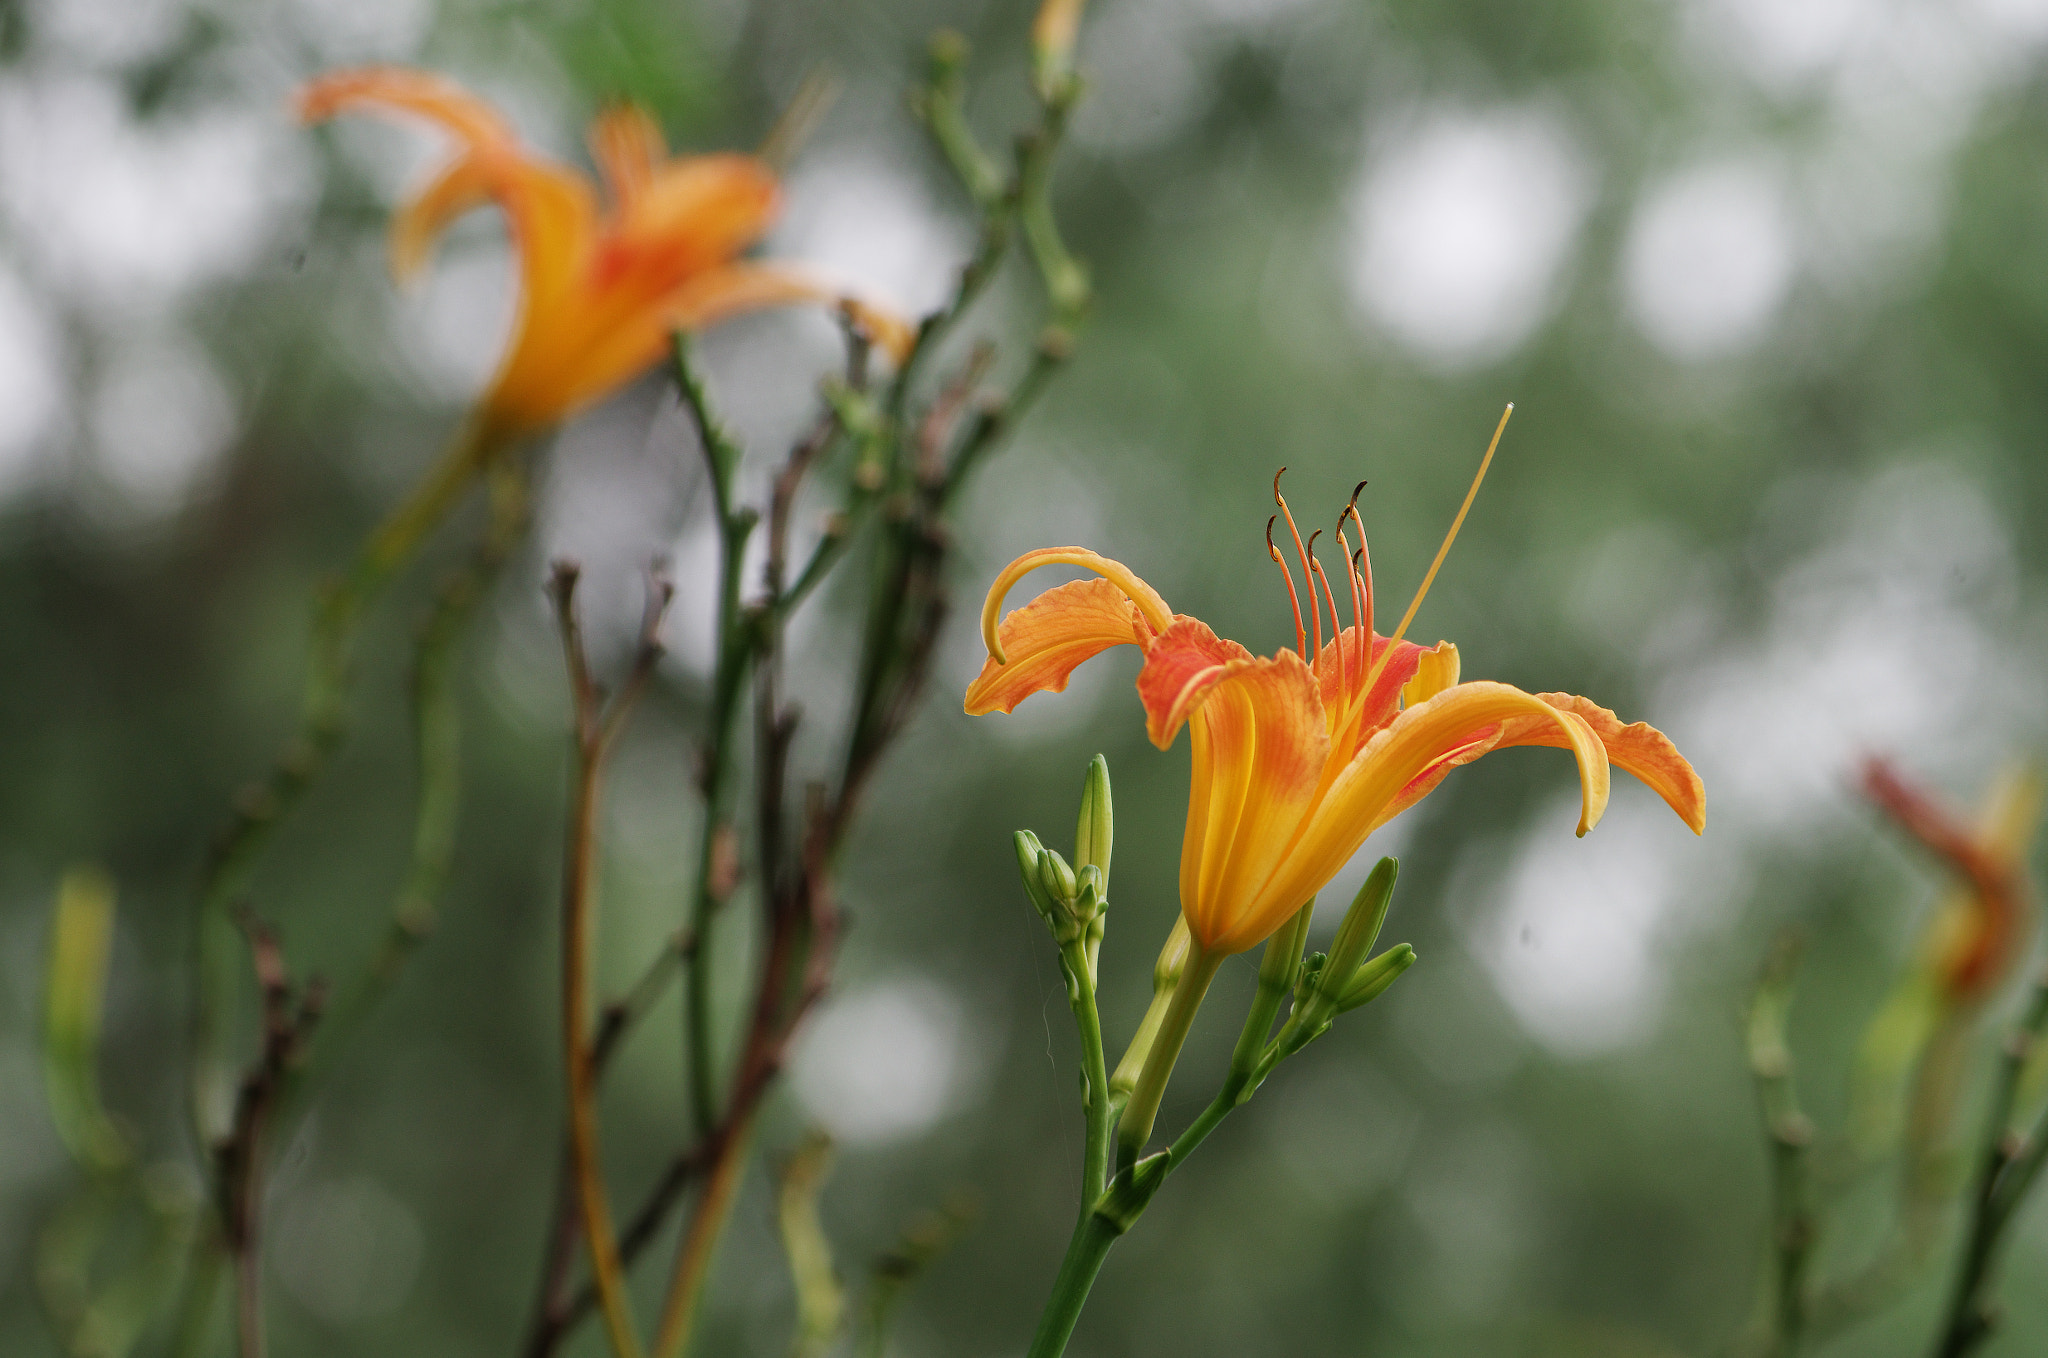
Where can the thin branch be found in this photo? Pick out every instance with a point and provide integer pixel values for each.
(595, 728)
(323, 725)
(1972, 1315)
(289, 1016)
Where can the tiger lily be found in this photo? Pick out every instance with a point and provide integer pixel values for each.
(1297, 757)
(1297, 761)
(600, 292)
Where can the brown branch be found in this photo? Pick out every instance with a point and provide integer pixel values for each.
(596, 727)
(289, 1017)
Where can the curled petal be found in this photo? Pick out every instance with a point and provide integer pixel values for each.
(403, 90)
(1641, 749)
(1150, 606)
(1259, 749)
(1049, 637)
(1182, 665)
(1435, 671)
(1432, 735)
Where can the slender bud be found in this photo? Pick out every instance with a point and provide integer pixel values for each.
(1173, 959)
(1375, 976)
(1028, 854)
(1278, 971)
(1052, 42)
(1360, 930)
(1055, 878)
(1097, 828)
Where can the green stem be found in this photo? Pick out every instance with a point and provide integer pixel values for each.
(1970, 1317)
(192, 1333)
(1085, 1254)
(259, 810)
(1136, 1127)
(717, 858)
(1081, 997)
(437, 735)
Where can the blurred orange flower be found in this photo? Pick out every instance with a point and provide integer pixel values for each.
(600, 292)
(1982, 929)
(1297, 761)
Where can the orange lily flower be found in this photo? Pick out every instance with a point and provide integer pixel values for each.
(1296, 761)
(1984, 926)
(599, 292)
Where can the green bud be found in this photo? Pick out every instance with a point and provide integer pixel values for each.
(1173, 959)
(1097, 828)
(1360, 930)
(1091, 893)
(1028, 854)
(1375, 976)
(1282, 962)
(1311, 972)
(1055, 878)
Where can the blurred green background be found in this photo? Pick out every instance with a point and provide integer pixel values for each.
(1768, 283)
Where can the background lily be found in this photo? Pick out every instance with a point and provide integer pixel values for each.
(600, 291)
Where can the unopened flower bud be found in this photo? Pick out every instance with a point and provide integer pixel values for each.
(1052, 42)
(1173, 959)
(1311, 972)
(1097, 828)
(1028, 854)
(1091, 893)
(1056, 878)
(1372, 979)
(1360, 929)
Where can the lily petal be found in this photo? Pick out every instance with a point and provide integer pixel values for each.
(1182, 666)
(1414, 744)
(688, 215)
(717, 294)
(1150, 606)
(1641, 749)
(627, 145)
(1259, 748)
(1435, 671)
(1049, 637)
(405, 90)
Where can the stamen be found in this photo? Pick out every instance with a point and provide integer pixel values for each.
(1300, 637)
(1443, 551)
(1302, 551)
(1361, 570)
(1343, 671)
(1315, 609)
(1365, 639)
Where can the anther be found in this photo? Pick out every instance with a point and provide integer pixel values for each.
(1307, 575)
(1361, 567)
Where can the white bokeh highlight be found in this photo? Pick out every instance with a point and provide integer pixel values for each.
(1709, 258)
(859, 216)
(1894, 624)
(1461, 226)
(884, 1063)
(160, 418)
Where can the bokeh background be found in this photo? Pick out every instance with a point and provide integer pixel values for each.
(1768, 283)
